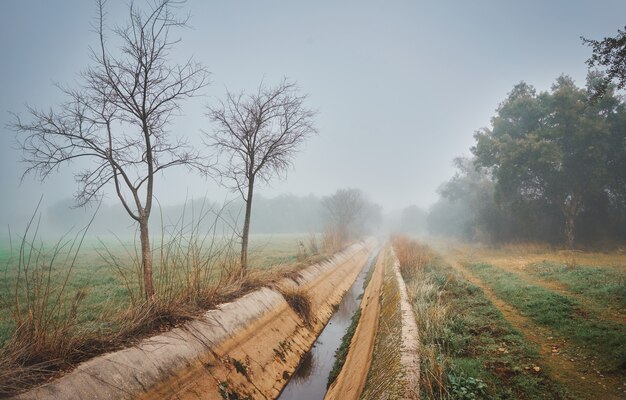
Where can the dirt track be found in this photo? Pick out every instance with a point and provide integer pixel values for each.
(518, 265)
(570, 371)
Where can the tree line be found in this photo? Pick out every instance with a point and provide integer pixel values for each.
(285, 213)
(552, 165)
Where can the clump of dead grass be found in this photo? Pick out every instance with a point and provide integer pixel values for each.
(412, 255)
(300, 302)
(332, 241)
(432, 318)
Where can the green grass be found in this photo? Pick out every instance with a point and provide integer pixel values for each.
(267, 251)
(605, 286)
(481, 345)
(342, 352)
(106, 291)
(564, 316)
(468, 350)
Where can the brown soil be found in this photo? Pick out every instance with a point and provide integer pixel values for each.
(565, 364)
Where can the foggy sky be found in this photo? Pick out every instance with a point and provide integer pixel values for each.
(400, 86)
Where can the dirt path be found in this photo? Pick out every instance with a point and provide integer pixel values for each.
(558, 356)
(589, 305)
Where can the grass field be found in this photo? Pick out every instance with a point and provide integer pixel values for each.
(105, 286)
(604, 341)
(520, 322)
(65, 302)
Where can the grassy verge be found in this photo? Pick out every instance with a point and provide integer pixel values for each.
(604, 340)
(342, 352)
(467, 348)
(605, 286)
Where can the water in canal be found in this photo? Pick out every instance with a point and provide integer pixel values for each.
(310, 378)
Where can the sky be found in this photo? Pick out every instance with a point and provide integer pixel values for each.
(400, 86)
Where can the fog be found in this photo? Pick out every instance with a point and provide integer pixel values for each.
(399, 87)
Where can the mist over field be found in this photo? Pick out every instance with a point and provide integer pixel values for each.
(400, 89)
(411, 199)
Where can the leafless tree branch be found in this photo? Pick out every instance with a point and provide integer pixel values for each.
(257, 136)
(117, 118)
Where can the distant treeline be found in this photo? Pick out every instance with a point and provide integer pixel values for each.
(281, 214)
(285, 213)
(552, 167)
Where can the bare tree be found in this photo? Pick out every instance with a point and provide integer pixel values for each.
(116, 120)
(257, 136)
(343, 210)
(350, 214)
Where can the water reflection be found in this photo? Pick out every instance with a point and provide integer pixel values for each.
(305, 369)
(311, 377)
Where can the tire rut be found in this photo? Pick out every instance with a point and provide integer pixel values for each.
(588, 305)
(581, 382)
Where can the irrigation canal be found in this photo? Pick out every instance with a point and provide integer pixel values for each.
(309, 380)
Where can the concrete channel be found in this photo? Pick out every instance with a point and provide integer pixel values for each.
(309, 381)
(246, 349)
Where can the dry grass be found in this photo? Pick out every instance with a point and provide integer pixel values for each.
(300, 302)
(33, 355)
(332, 241)
(520, 256)
(412, 256)
(432, 318)
(431, 314)
(194, 272)
(526, 247)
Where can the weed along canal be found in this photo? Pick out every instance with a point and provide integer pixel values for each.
(310, 379)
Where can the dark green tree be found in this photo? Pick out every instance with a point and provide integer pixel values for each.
(467, 208)
(554, 149)
(611, 54)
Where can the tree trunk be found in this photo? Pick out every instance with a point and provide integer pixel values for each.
(570, 222)
(572, 206)
(146, 259)
(246, 227)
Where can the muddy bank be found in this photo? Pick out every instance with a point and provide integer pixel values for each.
(248, 348)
